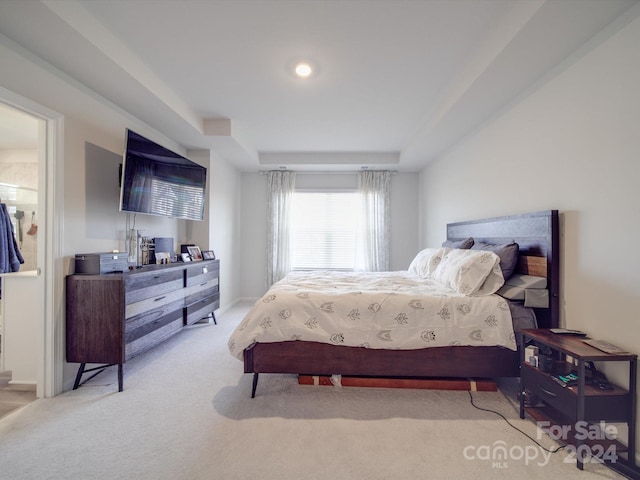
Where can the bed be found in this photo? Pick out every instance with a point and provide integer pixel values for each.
(537, 237)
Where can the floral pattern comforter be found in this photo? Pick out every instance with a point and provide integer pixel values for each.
(387, 310)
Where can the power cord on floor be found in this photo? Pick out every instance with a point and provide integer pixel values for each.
(514, 427)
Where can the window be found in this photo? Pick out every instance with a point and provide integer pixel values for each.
(325, 226)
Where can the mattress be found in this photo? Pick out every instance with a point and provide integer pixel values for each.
(382, 310)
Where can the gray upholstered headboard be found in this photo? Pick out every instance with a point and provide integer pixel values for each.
(538, 235)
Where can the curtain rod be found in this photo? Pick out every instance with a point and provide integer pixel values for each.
(332, 172)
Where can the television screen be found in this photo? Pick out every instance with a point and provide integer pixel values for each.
(157, 181)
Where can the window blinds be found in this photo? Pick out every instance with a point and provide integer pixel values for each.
(325, 230)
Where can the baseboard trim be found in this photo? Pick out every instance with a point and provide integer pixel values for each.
(24, 385)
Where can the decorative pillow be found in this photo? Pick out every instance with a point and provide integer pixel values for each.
(492, 283)
(526, 281)
(426, 261)
(507, 252)
(511, 292)
(464, 244)
(470, 272)
(517, 286)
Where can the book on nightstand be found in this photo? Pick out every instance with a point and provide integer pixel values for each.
(567, 331)
(604, 346)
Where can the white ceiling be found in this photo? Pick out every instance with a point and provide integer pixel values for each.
(396, 81)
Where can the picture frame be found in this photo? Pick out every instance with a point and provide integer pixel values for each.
(208, 255)
(185, 257)
(195, 253)
(184, 248)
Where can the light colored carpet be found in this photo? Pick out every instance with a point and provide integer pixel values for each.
(186, 413)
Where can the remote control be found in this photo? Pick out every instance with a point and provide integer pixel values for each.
(567, 331)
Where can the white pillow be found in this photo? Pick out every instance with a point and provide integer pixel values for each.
(426, 261)
(470, 272)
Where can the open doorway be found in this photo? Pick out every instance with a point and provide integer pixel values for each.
(19, 178)
(32, 346)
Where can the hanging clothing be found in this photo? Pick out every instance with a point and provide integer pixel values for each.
(10, 256)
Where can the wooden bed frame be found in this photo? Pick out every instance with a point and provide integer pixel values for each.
(537, 234)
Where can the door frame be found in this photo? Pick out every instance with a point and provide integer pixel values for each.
(50, 336)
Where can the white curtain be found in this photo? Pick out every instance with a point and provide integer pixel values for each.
(374, 235)
(281, 188)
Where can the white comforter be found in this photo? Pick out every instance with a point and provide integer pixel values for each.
(387, 310)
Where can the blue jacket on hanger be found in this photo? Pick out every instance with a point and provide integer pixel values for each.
(10, 256)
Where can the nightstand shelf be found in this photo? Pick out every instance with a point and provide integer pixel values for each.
(545, 415)
(580, 416)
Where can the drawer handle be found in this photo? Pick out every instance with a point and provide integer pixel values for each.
(551, 394)
(203, 284)
(159, 298)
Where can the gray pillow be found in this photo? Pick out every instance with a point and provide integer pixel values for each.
(508, 254)
(465, 244)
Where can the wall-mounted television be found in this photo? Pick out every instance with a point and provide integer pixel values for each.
(157, 181)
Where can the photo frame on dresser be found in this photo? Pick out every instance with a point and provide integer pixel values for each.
(208, 255)
(195, 253)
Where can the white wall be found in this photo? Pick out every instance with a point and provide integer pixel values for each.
(93, 142)
(571, 145)
(253, 238)
(404, 221)
(224, 225)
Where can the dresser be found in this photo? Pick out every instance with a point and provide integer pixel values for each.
(112, 318)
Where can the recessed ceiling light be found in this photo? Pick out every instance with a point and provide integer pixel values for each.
(303, 70)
